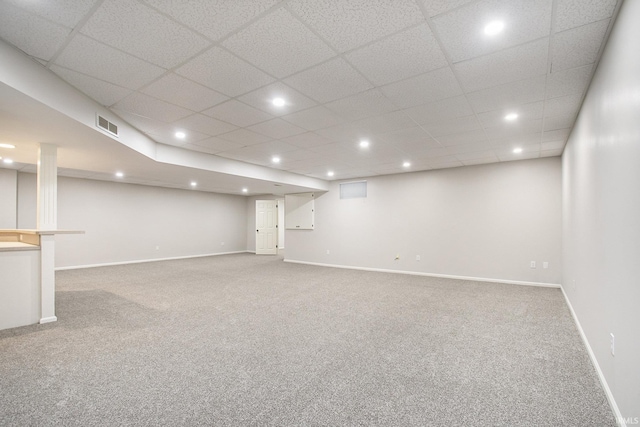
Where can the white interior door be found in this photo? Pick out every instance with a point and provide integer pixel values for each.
(266, 227)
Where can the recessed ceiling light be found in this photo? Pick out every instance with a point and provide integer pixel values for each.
(180, 135)
(278, 102)
(511, 116)
(3, 145)
(364, 144)
(244, 190)
(193, 183)
(330, 173)
(119, 174)
(517, 150)
(406, 164)
(275, 159)
(7, 161)
(493, 28)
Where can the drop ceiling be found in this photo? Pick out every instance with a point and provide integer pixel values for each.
(418, 79)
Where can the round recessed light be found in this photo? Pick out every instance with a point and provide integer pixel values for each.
(364, 143)
(275, 159)
(193, 183)
(180, 135)
(406, 164)
(511, 116)
(330, 173)
(493, 28)
(4, 145)
(7, 161)
(119, 174)
(278, 102)
(244, 190)
(517, 150)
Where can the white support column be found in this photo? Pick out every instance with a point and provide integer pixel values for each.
(47, 218)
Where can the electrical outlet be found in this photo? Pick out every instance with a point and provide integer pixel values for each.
(533, 264)
(545, 264)
(397, 257)
(613, 345)
(417, 257)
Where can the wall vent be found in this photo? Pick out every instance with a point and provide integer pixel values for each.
(106, 125)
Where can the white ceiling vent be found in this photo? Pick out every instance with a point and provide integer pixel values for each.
(106, 125)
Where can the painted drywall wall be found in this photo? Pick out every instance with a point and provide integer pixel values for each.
(8, 198)
(601, 213)
(487, 221)
(125, 222)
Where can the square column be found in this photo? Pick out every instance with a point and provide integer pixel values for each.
(47, 218)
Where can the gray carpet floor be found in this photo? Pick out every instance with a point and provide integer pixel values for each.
(246, 340)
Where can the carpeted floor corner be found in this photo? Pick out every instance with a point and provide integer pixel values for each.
(246, 340)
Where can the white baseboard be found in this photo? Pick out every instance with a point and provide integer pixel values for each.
(48, 319)
(418, 273)
(107, 264)
(612, 402)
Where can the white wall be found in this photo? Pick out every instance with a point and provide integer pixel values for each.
(125, 222)
(8, 198)
(601, 211)
(487, 221)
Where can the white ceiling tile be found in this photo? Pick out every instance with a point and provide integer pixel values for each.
(277, 128)
(147, 106)
(508, 155)
(329, 81)
(436, 7)
(522, 138)
(168, 137)
(205, 124)
(226, 73)
(406, 54)
(564, 105)
(462, 138)
(33, 35)
(341, 133)
(279, 44)
(559, 122)
(185, 93)
(307, 140)
(477, 155)
(314, 118)
(244, 136)
(577, 47)
(553, 145)
(409, 139)
(309, 157)
(423, 89)
(95, 59)
(215, 19)
(246, 154)
(566, 82)
(104, 93)
(472, 162)
(364, 104)
(505, 66)
(514, 130)
(556, 135)
(275, 148)
(575, 13)
(524, 111)
(384, 123)
(457, 125)
(551, 153)
(446, 109)
(508, 95)
(347, 24)
(214, 145)
(462, 30)
(141, 31)
(63, 12)
(338, 150)
(237, 113)
(263, 99)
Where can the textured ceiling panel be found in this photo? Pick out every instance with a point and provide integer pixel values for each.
(314, 118)
(574, 13)
(436, 7)
(329, 81)
(263, 99)
(364, 104)
(277, 128)
(105, 93)
(141, 31)
(204, 124)
(237, 113)
(577, 47)
(147, 106)
(279, 44)
(63, 12)
(221, 71)
(347, 24)
(244, 136)
(462, 30)
(446, 109)
(508, 95)
(406, 54)
(185, 93)
(95, 59)
(425, 88)
(570, 81)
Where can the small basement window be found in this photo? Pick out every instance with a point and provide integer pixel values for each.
(353, 190)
